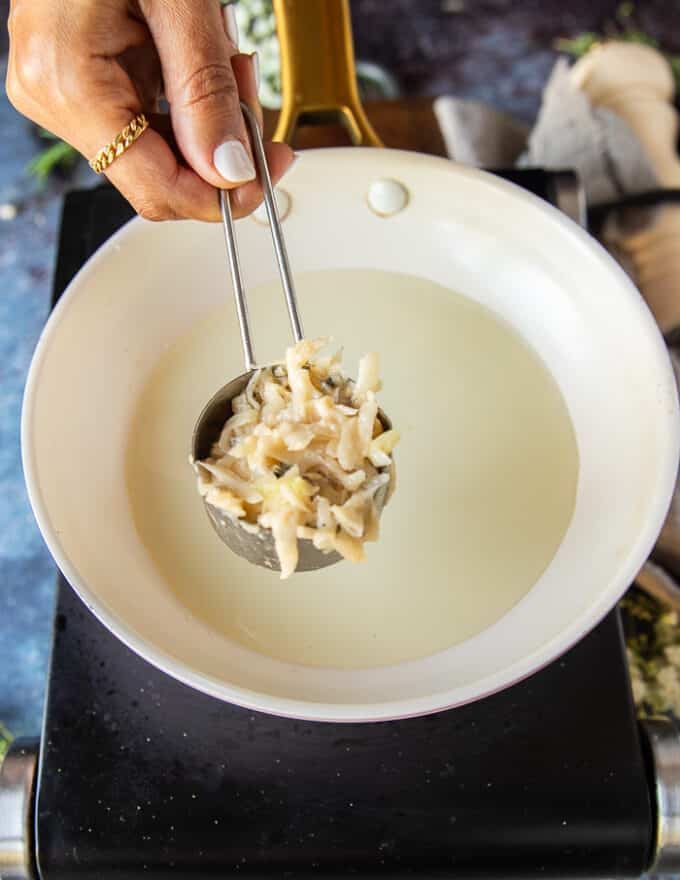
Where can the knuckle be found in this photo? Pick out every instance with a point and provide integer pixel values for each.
(16, 11)
(154, 210)
(43, 68)
(33, 49)
(11, 22)
(27, 75)
(151, 211)
(13, 91)
(211, 83)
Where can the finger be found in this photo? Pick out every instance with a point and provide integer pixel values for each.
(246, 198)
(157, 186)
(148, 173)
(87, 98)
(201, 88)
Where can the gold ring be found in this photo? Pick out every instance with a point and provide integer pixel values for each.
(119, 144)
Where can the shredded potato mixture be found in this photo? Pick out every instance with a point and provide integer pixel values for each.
(305, 455)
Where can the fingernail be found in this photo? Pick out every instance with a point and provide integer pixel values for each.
(256, 69)
(233, 162)
(230, 23)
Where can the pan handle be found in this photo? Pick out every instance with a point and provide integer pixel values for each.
(318, 76)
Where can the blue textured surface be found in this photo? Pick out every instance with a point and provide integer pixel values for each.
(27, 245)
(26, 571)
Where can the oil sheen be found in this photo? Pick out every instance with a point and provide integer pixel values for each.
(487, 469)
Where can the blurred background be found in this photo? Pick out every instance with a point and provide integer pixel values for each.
(500, 52)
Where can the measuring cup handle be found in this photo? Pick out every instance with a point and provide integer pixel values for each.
(240, 298)
(274, 222)
(318, 75)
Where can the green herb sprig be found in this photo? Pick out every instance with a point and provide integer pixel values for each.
(5, 740)
(623, 28)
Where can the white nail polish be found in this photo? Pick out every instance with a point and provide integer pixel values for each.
(230, 23)
(233, 162)
(256, 69)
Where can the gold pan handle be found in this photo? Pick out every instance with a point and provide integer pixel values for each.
(318, 76)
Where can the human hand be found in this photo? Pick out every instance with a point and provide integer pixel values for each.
(84, 68)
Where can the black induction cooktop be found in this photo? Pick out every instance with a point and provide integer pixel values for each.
(141, 775)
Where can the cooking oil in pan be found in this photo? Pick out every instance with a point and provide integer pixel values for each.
(486, 476)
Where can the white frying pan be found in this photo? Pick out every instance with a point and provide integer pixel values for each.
(470, 233)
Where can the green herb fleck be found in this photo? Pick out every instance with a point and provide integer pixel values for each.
(624, 28)
(653, 647)
(5, 740)
(57, 155)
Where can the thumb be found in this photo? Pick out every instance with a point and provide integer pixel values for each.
(201, 89)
